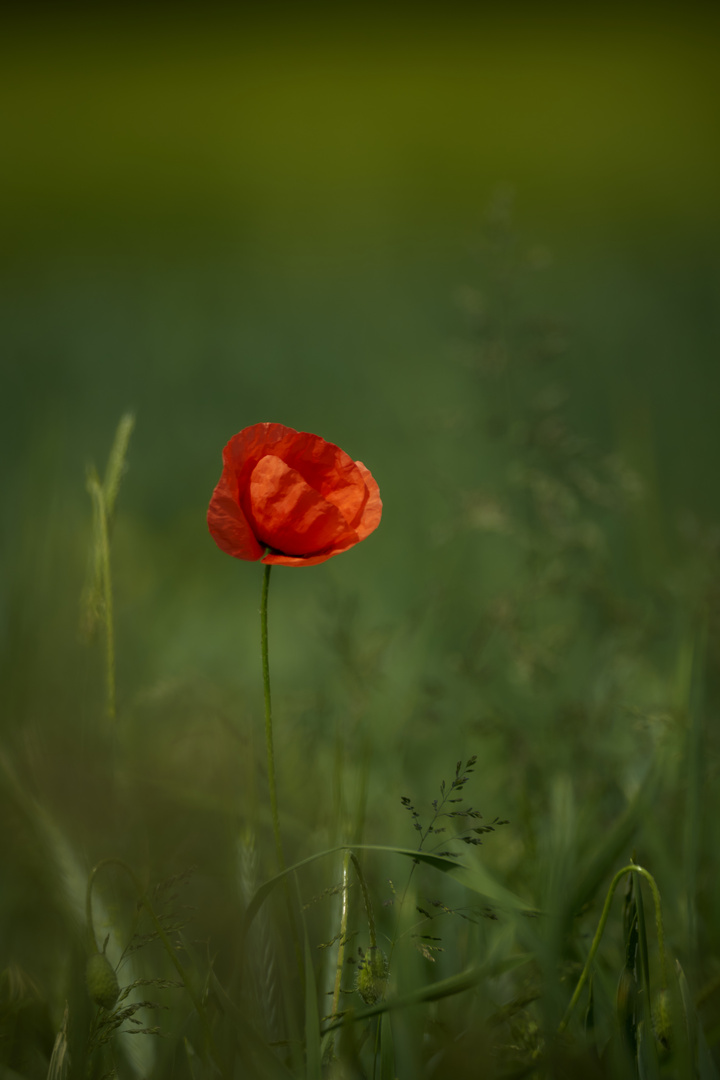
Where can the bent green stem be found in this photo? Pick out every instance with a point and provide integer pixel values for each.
(268, 717)
(631, 869)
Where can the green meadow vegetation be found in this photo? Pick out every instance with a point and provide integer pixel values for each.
(495, 739)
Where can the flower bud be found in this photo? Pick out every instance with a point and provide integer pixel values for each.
(101, 980)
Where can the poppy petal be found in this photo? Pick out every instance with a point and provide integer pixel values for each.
(308, 501)
(372, 510)
(288, 514)
(228, 525)
(329, 470)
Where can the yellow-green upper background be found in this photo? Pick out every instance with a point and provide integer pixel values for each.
(312, 126)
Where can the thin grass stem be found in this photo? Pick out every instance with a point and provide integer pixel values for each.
(102, 541)
(343, 934)
(349, 857)
(695, 777)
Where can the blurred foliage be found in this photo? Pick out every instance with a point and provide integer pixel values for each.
(222, 221)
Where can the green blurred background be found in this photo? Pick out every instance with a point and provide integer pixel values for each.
(214, 220)
(218, 219)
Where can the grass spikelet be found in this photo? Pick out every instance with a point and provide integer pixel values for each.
(104, 496)
(117, 463)
(97, 599)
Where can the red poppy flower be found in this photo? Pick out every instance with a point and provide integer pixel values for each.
(291, 492)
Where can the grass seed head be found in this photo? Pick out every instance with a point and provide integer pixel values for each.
(662, 1022)
(372, 976)
(101, 981)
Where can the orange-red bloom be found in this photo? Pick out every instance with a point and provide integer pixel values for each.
(291, 492)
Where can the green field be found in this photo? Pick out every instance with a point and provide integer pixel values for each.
(480, 254)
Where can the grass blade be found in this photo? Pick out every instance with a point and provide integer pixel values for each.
(454, 984)
(312, 1019)
(387, 1049)
(438, 862)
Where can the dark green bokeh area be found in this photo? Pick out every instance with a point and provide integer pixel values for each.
(480, 253)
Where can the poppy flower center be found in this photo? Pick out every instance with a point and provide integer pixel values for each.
(288, 514)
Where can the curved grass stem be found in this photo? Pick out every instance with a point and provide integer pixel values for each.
(631, 869)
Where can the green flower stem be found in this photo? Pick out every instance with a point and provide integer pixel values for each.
(169, 948)
(271, 764)
(631, 869)
(268, 717)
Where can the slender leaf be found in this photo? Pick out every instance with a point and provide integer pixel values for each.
(455, 984)
(478, 879)
(438, 862)
(312, 1019)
